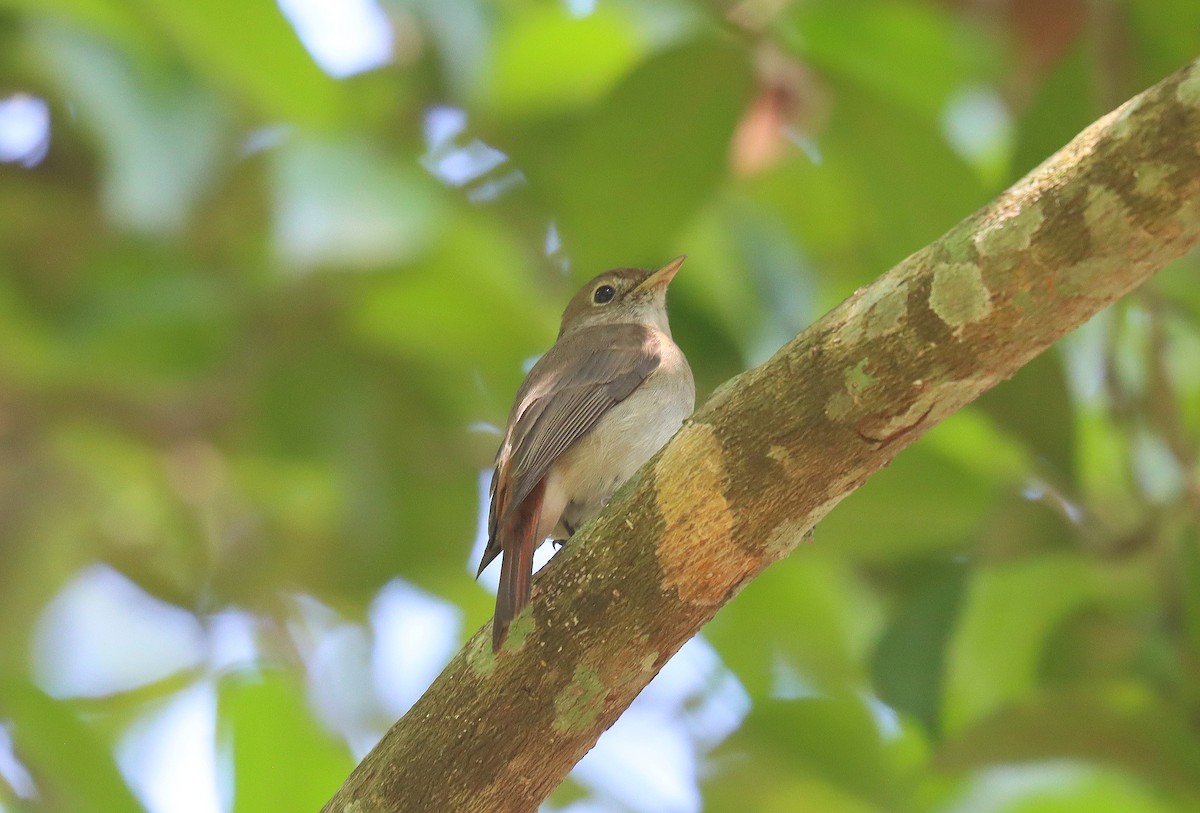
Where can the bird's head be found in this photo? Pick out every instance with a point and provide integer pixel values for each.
(622, 296)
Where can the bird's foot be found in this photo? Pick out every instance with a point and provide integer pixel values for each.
(559, 544)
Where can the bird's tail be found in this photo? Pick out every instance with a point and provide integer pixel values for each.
(518, 541)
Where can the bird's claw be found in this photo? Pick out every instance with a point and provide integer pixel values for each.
(559, 544)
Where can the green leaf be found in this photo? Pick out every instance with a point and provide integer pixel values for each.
(282, 758)
(912, 54)
(144, 319)
(831, 739)
(1011, 611)
(1188, 584)
(1126, 728)
(386, 460)
(544, 60)
(1035, 406)
(825, 620)
(345, 204)
(908, 666)
(875, 184)
(27, 351)
(780, 792)
(1163, 37)
(620, 195)
(1064, 104)
(73, 768)
(1104, 470)
(161, 132)
(909, 185)
(1181, 346)
(128, 508)
(250, 50)
(924, 501)
(467, 305)
(730, 305)
(107, 17)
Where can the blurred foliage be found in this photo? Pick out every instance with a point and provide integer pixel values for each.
(256, 320)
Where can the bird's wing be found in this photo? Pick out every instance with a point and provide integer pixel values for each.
(558, 404)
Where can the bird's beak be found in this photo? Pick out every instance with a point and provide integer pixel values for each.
(660, 279)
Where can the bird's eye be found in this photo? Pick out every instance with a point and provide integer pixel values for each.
(603, 294)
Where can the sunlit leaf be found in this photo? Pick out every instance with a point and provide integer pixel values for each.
(108, 17)
(546, 60)
(811, 623)
(270, 730)
(347, 205)
(783, 792)
(470, 304)
(1060, 787)
(831, 739)
(73, 768)
(161, 134)
(1008, 616)
(249, 49)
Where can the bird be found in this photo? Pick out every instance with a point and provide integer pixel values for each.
(608, 394)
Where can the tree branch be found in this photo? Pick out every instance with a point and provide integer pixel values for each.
(775, 449)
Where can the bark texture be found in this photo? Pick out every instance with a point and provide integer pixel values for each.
(776, 448)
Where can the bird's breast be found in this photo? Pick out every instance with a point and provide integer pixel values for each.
(626, 436)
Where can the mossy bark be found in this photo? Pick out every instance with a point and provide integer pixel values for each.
(775, 449)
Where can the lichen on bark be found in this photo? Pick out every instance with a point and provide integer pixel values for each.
(776, 449)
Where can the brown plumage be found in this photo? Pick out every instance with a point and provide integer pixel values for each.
(597, 405)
